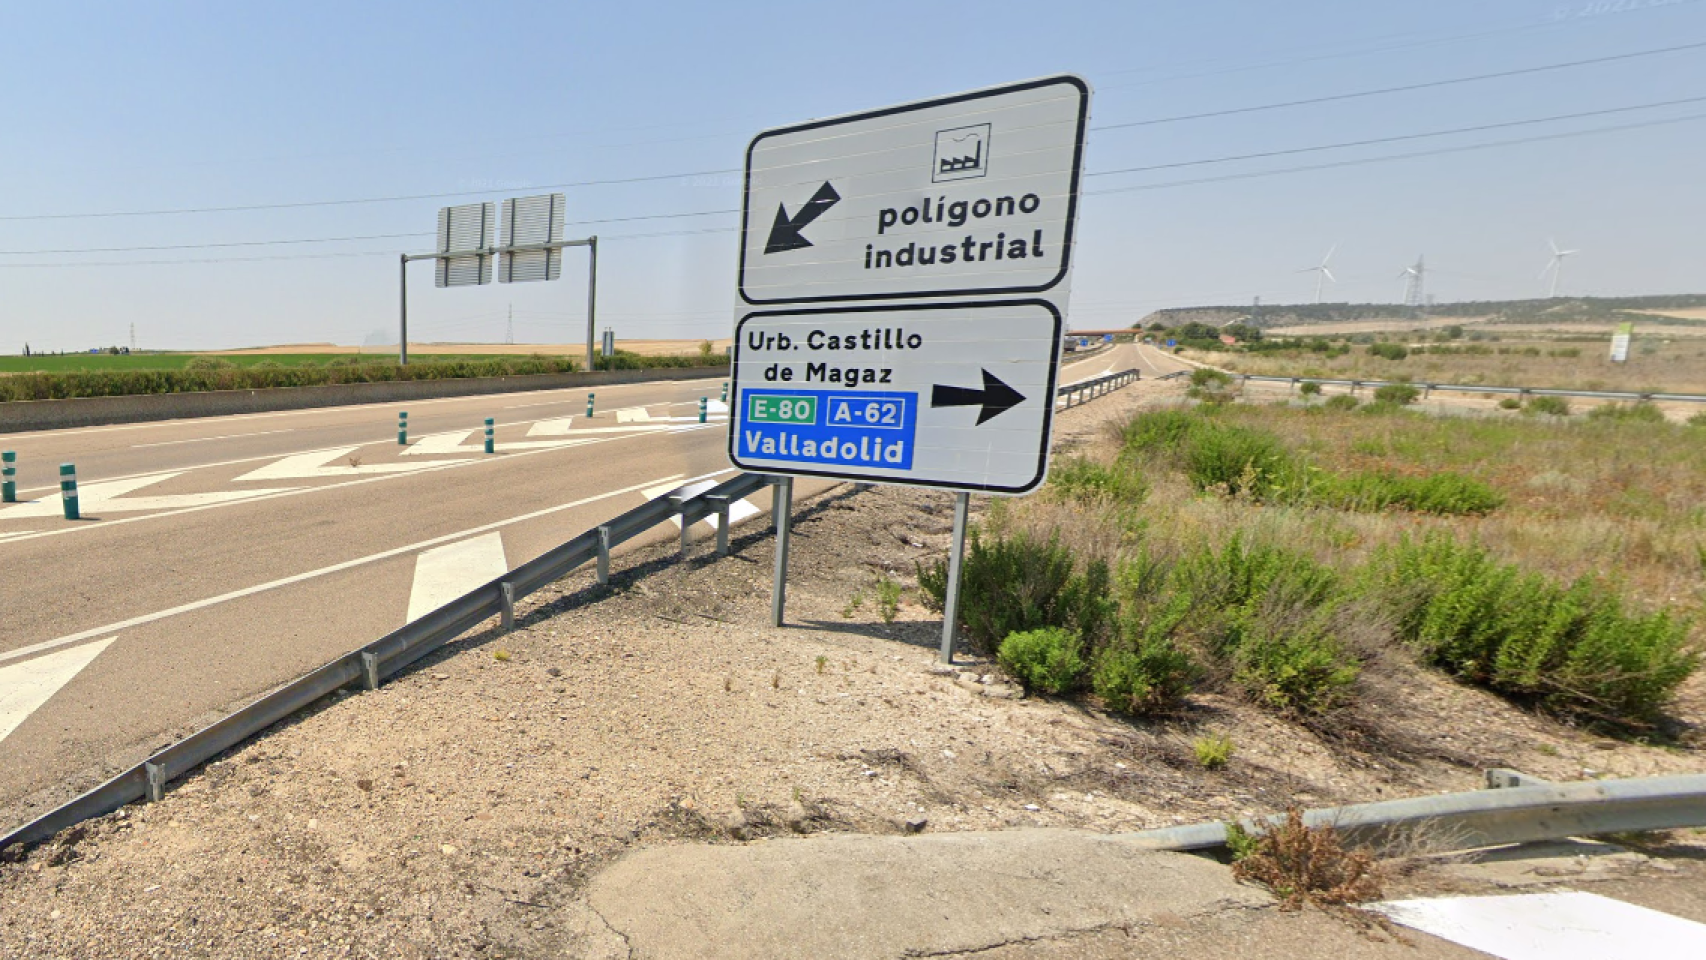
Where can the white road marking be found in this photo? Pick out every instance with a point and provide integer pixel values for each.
(109, 497)
(15, 533)
(228, 436)
(297, 491)
(314, 465)
(551, 428)
(738, 510)
(633, 415)
(465, 443)
(1567, 925)
(24, 687)
(312, 574)
(444, 573)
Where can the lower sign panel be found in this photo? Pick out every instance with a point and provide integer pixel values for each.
(946, 395)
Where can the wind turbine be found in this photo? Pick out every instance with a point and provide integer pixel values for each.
(1322, 272)
(1412, 277)
(1555, 266)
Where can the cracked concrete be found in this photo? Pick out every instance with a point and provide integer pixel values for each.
(891, 896)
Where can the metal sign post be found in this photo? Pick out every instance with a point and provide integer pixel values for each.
(781, 514)
(903, 276)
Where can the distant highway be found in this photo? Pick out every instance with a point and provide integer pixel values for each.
(220, 557)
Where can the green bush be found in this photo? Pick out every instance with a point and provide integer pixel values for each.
(1146, 670)
(1391, 351)
(1549, 405)
(1159, 430)
(1206, 377)
(1047, 659)
(1510, 403)
(1240, 460)
(1574, 649)
(1343, 401)
(1213, 751)
(1698, 420)
(1084, 479)
(1401, 394)
(1443, 493)
(1309, 388)
(1019, 583)
(1643, 412)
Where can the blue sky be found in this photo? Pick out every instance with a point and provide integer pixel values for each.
(120, 108)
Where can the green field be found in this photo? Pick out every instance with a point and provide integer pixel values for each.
(80, 362)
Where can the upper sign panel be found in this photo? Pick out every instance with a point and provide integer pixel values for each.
(965, 195)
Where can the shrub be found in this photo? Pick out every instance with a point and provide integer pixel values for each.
(1343, 401)
(888, 598)
(1391, 351)
(1510, 403)
(1443, 493)
(1574, 649)
(1401, 394)
(1047, 659)
(1206, 377)
(1549, 405)
(1309, 388)
(1304, 864)
(1084, 479)
(1237, 459)
(1019, 583)
(1159, 430)
(1698, 420)
(1210, 386)
(203, 364)
(1145, 670)
(1643, 412)
(1212, 751)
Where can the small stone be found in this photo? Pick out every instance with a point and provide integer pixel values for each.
(441, 676)
(966, 676)
(941, 670)
(1032, 807)
(365, 785)
(313, 823)
(797, 816)
(447, 849)
(949, 754)
(554, 672)
(1000, 691)
(917, 824)
(55, 915)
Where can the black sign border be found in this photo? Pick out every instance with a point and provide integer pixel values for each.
(1048, 407)
(1071, 205)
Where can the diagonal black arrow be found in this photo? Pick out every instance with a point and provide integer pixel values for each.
(785, 233)
(996, 397)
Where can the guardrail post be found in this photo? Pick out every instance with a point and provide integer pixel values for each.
(603, 555)
(589, 403)
(402, 428)
(68, 490)
(721, 502)
(703, 403)
(8, 476)
(680, 503)
(506, 596)
(1427, 388)
(491, 443)
(369, 670)
(155, 775)
(781, 516)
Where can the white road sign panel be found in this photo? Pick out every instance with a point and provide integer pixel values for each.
(957, 395)
(962, 196)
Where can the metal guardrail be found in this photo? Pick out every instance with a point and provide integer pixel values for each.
(1531, 811)
(368, 666)
(1096, 386)
(1427, 388)
(385, 657)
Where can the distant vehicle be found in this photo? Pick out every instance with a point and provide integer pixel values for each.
(1069, 345)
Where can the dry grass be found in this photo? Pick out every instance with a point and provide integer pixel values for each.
(1655, 365)
(1303, 864)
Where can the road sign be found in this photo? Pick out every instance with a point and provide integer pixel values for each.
(466, 236)
(957, 395)
(532, 221)
(1620, 342)
(970, 195)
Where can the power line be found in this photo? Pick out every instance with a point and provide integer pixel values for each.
(204, 246)
(357, 200)
(1333, 98)
(1397, 139)
(1399, 156)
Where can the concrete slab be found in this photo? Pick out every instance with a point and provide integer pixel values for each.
(890, 896)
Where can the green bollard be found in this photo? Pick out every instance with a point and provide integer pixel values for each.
(491, 445)
(589, 404)
(68, 490)
(402, 428)
(725, 391)
(8, 476)
(702, 403)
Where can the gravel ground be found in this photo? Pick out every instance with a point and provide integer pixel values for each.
(458, 810)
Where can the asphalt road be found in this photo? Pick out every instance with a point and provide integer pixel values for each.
(219, 557)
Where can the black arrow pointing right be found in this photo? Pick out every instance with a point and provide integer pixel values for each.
(996, 397)
(785, 232)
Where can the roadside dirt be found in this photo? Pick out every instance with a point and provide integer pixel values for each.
(460, 809)
(649, 348)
